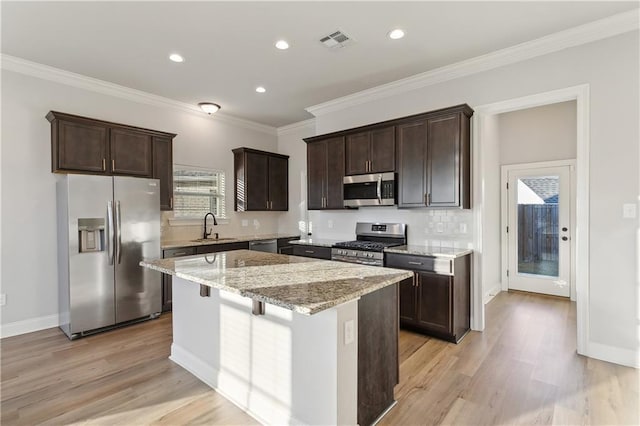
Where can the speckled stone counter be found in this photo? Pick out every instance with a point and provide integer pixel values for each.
(321, 242)
(303, 285)
(169, 244)
(448, 252)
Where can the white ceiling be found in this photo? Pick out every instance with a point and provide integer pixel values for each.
(229, 50)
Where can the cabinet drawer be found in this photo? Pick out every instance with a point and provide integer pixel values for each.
(419, 263)
(214, 248)
(177, 252)
(312, 251)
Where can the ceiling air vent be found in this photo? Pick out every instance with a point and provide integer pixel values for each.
(336, 39)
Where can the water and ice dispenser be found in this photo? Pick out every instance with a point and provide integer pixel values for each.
(91, 236)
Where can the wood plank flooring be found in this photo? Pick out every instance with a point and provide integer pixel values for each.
(523, 369)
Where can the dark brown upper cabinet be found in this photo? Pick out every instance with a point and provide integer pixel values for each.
(90, 146)
(434, 160)
(325, 173)
(130, 153)
(163, 169)
(261, 180)
(370, 152)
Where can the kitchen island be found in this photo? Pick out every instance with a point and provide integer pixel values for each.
(290, 340)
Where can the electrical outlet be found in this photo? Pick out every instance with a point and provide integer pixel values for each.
(463, 228)
(629, 211)
(349, 332)
(245, 222)
(3, 299)
(330, 224)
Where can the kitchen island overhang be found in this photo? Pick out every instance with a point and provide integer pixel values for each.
(324, 352)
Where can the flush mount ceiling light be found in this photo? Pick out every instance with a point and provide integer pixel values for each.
(209, 107)
(176, 57)
(282, 45)
(396, 34)
(260, 89)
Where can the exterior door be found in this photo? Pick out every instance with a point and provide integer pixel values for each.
(137, 216)
(539, 230)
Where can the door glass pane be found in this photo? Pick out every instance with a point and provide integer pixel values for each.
(538, 225)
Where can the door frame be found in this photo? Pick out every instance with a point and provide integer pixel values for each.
(580, 94)
(504, 216)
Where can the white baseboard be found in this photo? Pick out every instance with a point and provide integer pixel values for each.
(614, 354)
(28, 325)
(497, 288)
(212, 377)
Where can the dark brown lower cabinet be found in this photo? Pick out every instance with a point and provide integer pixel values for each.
(437, 304)
(317, 252)
(377, 353)
(214, 248)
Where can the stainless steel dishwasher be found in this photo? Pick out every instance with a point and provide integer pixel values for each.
(269, 246)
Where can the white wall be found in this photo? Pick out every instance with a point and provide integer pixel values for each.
(543, 133)
(29, 266)
(290, 143)
(610, 67)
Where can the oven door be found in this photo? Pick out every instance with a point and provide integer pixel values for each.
(376, 189)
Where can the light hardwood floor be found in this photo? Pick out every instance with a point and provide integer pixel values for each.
(522, 370)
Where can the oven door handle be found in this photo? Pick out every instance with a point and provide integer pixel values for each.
(379, 189)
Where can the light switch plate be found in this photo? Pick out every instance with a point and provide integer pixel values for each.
(330, 224)
(349, 332)
(3, 299)
(629, 211)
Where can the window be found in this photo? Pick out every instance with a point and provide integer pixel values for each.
(198, 191)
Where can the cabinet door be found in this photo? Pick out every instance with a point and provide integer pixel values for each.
(443, 161)
(278, 183)
(412, 149)
(215, 248)
(81, 147)
(257, 185)
(408, 301)
(316, 174)
(357, 150)
(130, 153)
(163, 170)
(383, 150)
(435, 303)
(334, 189)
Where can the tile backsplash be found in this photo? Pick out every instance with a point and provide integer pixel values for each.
(443, 228)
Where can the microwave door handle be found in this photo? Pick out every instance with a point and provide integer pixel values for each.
(110, 232)
(379, 189)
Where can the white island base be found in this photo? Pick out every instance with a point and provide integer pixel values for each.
(281, 367)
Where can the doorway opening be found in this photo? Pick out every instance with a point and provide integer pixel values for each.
(487, 277)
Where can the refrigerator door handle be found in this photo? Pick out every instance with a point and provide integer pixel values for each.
(118, 233)
(110, 232)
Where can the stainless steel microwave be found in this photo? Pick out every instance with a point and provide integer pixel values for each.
(376, 189)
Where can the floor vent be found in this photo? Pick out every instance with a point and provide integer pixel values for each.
(336, 39)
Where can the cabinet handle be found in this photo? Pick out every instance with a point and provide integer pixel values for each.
(171, 202)
(180, 253)
(104, 164)
(271, 204)
(267, 205)
(427, 199)
(414, 263)
(309, 251)
(113, 165)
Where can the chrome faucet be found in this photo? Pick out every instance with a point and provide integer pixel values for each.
(215, 222)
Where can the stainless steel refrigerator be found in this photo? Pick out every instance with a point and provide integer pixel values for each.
(106, 225)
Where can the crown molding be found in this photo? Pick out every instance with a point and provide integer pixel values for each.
(294, 127)
(57, 75)
(593, 31)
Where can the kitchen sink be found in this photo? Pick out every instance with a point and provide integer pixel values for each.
(213, 240)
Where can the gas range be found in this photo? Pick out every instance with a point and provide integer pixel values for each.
(371, 240)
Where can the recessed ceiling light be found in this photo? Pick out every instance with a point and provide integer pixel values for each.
(396, 34)
(260, 89)
(176, 58)
(209, 107)
(282, 45)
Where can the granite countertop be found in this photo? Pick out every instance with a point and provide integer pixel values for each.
(300, 284)
(317, 242)
(435, 251)
(169, 244)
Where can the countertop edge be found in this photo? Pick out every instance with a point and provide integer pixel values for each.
(427, 252)
(174, 244)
